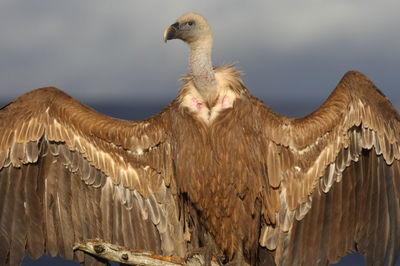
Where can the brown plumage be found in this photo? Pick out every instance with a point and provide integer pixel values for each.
(217, 160)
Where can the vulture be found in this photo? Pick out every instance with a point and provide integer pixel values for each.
(216, 167)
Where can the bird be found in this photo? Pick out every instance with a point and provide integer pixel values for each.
(215, 162)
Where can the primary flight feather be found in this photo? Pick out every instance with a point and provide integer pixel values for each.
(216, 161)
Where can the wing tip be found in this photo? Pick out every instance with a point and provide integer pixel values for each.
(354, 75)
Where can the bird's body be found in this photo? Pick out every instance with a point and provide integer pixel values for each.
(215, 160)
(217, 143)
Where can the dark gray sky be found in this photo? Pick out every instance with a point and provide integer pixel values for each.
(112, 51)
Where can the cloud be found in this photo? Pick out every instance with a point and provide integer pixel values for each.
(113, 51)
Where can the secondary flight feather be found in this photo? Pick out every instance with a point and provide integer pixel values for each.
(215, 163)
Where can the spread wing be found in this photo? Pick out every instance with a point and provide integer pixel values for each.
(335, 176)
(68, 173)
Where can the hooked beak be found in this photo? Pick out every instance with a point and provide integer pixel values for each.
(170, 32)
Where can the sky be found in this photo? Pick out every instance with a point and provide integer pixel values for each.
(292, 53)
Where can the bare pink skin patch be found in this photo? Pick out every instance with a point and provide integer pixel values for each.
(225, 102)
(196, 104)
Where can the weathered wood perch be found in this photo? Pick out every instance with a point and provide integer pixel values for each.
(111, 252)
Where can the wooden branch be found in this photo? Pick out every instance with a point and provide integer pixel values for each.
(111, 252)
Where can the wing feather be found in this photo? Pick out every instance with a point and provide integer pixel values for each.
(49, 169)
(35, 237)
(4, 207)
(68, 173)
(78, 212)
(63, 219)
(17, 220)
(345, 159)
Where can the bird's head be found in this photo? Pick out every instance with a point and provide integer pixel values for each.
(190, 28)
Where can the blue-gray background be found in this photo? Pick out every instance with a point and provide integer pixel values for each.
(110, 54)
(112, 51)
